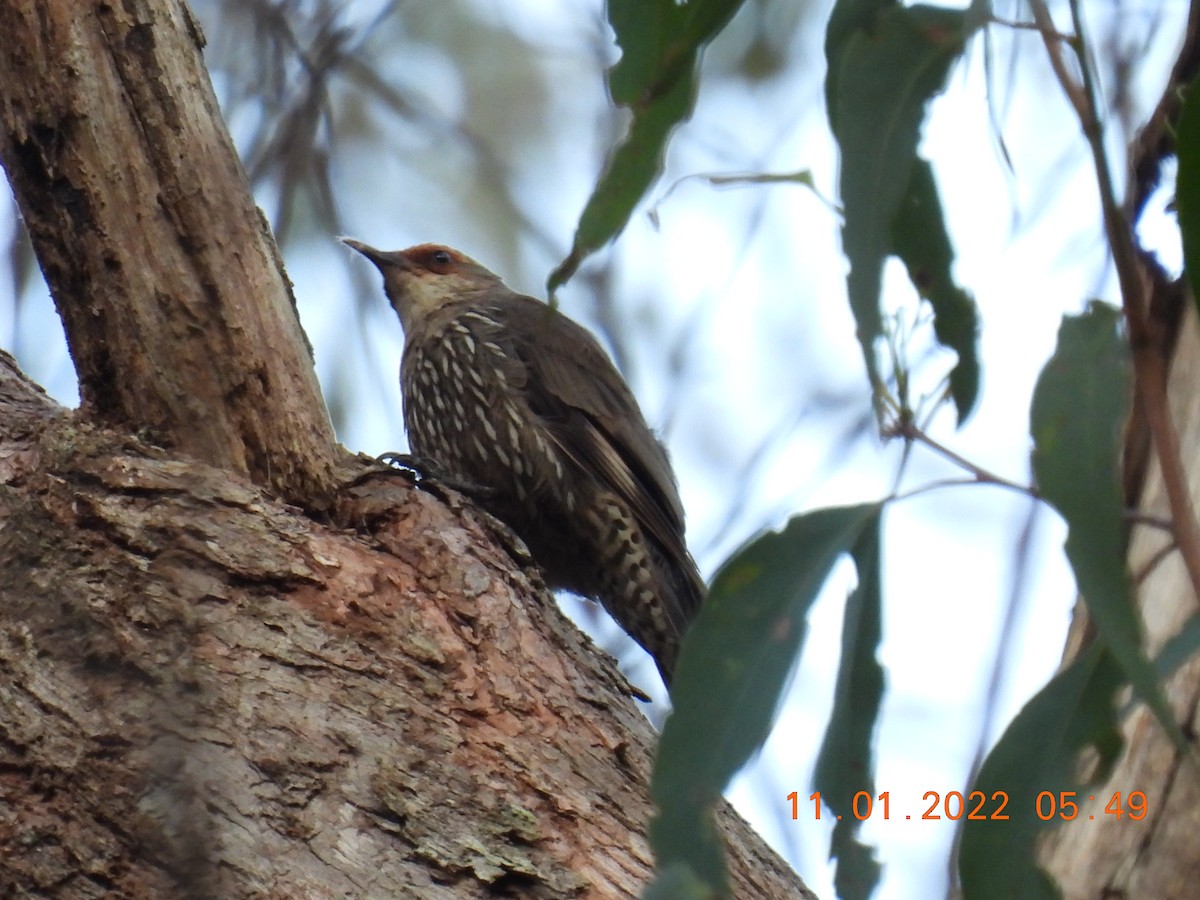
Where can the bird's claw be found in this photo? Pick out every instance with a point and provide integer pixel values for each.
(426, 472)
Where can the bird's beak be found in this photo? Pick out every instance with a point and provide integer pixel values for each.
(379, 257)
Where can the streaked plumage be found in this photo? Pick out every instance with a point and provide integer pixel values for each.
(502, 391)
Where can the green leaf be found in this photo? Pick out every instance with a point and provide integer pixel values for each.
(885, 63)
(678, 882)
(847, 17)
(1187, 183)
(1080, 406)
(919, 238)
(661, 42)
(1179, 649)
(844, 765)
(732, 672)
(1038, 752)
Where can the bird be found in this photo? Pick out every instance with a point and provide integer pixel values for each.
(504, 392)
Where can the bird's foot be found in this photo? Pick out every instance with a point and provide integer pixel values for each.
(427, 473)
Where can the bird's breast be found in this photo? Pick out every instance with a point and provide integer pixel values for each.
(465, 408)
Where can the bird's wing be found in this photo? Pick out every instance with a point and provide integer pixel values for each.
(596, 422)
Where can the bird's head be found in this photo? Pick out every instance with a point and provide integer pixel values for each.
(425, 278)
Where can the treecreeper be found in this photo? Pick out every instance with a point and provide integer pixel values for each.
(504, 392)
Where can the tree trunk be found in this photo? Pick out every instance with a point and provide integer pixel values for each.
(177, 311)
(1158, 856)
(237, 660)
(1098, 854)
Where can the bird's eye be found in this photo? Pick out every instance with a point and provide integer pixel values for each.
(442, 258)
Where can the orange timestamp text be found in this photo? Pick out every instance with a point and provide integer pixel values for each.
(979, 806)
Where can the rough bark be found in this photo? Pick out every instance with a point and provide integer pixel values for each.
(208, 694)
(236, 663)
(143, 223)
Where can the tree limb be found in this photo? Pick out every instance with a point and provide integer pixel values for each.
(143, 223)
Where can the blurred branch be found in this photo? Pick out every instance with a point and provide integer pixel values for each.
(1153, 145)
(292, 145)
(361, 72)
(292, 142)
(804, 178)
(1156, 141)
(1145, 339)
(907, 429)
(1054, 39)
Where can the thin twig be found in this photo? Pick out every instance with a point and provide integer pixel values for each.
(1149, 365)
(1054, 40)
(960, 482)
(1134, 517)
(1154, 561)
(1029, 26)
(907, 430)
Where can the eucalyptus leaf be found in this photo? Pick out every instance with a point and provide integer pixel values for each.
(1080, 406)
(1037, 753)
(732, 672)
(885, 63)
(661, 42)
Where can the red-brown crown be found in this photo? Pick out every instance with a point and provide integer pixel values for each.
(426, 277)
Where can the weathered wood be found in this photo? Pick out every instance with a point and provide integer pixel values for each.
(207, 693)
(177, 311)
